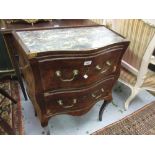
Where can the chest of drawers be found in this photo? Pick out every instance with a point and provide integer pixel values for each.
(68, 70)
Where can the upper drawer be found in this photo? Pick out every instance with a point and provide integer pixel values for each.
(76, 72)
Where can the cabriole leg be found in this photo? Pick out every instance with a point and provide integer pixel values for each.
(44, 124)
(47, 130)
(35, 112)
(102, 109)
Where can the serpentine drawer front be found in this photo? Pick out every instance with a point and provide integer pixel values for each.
(59, 102)
(68, 70)
(76, 72)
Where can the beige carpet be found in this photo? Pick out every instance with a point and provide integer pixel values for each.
(141, 122)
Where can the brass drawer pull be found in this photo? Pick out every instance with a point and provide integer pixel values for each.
(103, 70)
(58, 74)
(108, 63)
(98, 67)
(60, 102)
(97, 96)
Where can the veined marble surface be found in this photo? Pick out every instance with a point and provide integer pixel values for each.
(82, 38)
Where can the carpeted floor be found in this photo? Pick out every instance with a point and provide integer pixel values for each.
(11, 113)
(141, 122)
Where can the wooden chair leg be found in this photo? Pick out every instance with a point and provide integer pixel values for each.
(22, 86)
(4, 93)
(15, 64)
(102, 109)
(130, 98)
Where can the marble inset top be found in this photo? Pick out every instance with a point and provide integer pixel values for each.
(70, 39)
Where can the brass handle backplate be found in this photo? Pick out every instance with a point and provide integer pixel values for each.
(59, 74)
(103, 70)
(94, 95)
(60, 102)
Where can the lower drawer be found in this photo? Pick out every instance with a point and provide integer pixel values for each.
(68, 101)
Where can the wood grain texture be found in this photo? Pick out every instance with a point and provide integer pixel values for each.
(52, 95)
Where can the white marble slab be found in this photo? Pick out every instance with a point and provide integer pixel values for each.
(83, 38)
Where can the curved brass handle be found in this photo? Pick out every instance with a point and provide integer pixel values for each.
(58, 74)
(60, 102)
(103, 70)
(97, 96)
